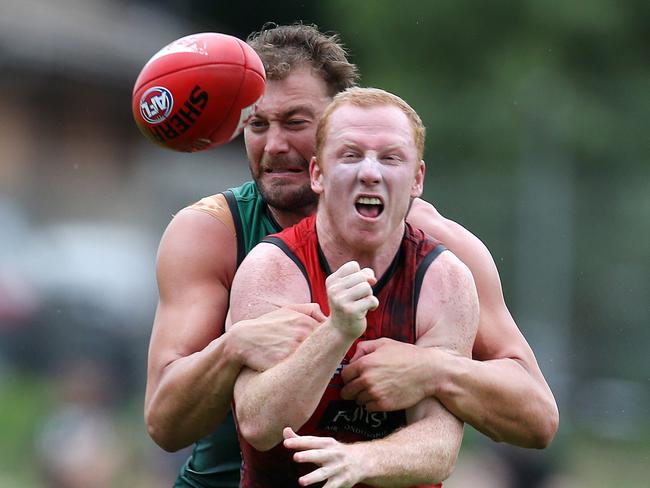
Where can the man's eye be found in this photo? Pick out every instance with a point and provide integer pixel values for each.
(257, 124)
(296, 123)
(393, 158)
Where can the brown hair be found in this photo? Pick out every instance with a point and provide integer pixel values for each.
(371, 97)
(286, 47)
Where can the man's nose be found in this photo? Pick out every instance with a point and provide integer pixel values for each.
(370, 171)
(276, 140)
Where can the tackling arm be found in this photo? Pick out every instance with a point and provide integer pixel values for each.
(192, 365)
(185, 347)
(502, 392)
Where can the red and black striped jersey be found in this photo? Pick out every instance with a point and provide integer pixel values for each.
(398, 292)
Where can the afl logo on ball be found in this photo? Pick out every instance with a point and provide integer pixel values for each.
(156, 104)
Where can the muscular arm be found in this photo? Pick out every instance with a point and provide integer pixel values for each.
(268, 401)
(502, 392)
(192, 367)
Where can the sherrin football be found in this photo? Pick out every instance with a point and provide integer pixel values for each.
(198, 92)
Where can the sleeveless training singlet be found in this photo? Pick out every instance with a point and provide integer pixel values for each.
(398, 292)
(215, 460)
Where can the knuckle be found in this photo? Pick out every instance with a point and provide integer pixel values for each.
(331, 442)
(364, 381)
(384, 405)
(351, 266)
(371, 393)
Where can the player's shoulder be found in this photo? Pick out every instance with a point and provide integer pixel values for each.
(448, 271)
(425, 216)
(267, 270)
(267, 257)
(447, 266)
(196, 239)
(210, 217)
(215, 206)
(448, 292)
(463, 244)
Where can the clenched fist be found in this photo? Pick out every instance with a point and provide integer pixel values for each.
(349, 293)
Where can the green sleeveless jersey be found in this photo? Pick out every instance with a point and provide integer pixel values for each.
(216, 459)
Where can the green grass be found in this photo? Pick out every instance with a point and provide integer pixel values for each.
(24, 402)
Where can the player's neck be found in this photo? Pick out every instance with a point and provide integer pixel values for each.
(338, 249)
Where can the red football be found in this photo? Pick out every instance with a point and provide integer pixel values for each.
(198, 91)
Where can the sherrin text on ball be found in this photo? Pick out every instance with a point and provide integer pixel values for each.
(198, 91)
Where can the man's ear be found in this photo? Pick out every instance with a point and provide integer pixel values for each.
(418, 184)
(316, 176)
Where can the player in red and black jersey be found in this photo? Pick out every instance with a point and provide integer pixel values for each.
(389, 281)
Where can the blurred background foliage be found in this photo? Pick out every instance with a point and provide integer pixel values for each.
(537, 115)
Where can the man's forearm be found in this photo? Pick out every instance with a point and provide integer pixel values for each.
(497, 397)
(290, 391)
(193, 396)
(424, 452)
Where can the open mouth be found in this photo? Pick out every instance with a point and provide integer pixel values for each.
(370, 207)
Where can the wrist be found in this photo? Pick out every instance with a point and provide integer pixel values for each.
(438, 370)
(375, 461)
(365, 461)
(347, 329)
(446, 369)
(233, 353)
(338, 337)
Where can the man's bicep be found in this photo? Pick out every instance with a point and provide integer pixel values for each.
(498, 337)
(190, 321)
(193, 282)
(193, 287)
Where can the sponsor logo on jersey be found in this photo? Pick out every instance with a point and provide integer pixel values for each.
(347, 416)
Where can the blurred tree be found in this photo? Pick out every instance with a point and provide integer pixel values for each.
(479, 70)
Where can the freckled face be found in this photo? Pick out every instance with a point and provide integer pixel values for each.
(368, 173)
(280, 139)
